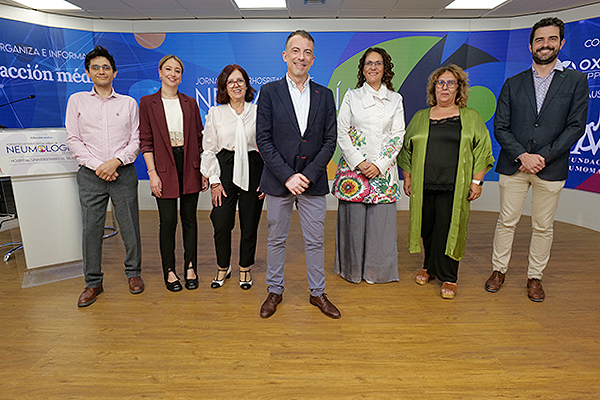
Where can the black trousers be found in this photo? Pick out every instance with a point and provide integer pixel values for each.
(167, 212)
(437, 215)
(250, 209)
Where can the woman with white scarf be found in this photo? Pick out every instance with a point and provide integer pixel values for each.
(233, 166)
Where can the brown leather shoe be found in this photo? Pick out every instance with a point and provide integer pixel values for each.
(326, 306)
(136, 285)
(535, 291)
(494, 283)
(270, 305)
(89, 296)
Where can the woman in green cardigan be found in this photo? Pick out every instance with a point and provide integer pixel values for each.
(446, 153)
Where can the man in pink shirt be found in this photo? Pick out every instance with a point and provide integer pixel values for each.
(103, 135)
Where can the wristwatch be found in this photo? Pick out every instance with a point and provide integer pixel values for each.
(475, 181)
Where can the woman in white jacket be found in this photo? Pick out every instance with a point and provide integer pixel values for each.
(370, 134)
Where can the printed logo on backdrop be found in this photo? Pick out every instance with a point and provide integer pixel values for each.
(206, 89)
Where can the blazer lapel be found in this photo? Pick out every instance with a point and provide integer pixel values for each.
(286, 100)
(315, 99)
(557, 81)
(163, 129)
(530, 90)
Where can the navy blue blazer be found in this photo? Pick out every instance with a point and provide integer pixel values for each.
(518, 127)
(284, 151)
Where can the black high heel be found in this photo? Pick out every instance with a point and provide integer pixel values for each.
(216, 283)
(245, 283)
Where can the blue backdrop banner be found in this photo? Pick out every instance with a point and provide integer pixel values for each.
(48, 63)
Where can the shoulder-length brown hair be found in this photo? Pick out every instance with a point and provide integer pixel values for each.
(462, 79)
(222, 96)
(388, 74)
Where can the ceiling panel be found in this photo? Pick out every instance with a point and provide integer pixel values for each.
(217, 9)
(362, 13)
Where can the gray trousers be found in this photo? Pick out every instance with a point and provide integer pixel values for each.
(365, 242)
(312, 211)
(93, 196)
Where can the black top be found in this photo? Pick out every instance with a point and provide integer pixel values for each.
(441, 158)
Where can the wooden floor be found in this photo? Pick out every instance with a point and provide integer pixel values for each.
(394, 341)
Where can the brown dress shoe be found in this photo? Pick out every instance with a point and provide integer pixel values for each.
(494, 282)
(270, 305)
(136, 285)
(535, 291)
(89, 296)
(326, 306)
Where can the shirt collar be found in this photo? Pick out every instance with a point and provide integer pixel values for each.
(382, 93)
(292, 84)
(558, 66)
(112, 93)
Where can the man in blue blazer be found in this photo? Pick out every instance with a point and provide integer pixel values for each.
(296, 135)
(541, 113)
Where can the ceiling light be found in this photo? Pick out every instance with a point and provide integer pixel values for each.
(48, 4)
(475, 4)
(260, 4)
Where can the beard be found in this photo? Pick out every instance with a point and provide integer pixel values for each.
(544, 60)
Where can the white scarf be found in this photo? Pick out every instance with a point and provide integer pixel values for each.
(241, 173)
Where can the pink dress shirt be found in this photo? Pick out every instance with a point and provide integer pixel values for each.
(100, 130)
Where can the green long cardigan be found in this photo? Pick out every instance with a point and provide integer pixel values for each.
(475, 154)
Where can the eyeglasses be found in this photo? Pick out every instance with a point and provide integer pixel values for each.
(373, 64)
(450, 83)
(101, 67)
(239, 82)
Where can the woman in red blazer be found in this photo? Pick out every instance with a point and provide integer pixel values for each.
(171, 142)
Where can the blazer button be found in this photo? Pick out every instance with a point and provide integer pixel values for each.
(536, 125)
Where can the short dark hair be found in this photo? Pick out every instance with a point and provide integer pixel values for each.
(550, 21)
(222, 96)
(388, 74)
(99, 51)
(299, 32)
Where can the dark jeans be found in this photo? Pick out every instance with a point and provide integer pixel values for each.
(250, 209)
(167, 212)
(437, 215)
(93, 196)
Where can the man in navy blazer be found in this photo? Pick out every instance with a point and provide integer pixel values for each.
(541, 113)
(296, 135)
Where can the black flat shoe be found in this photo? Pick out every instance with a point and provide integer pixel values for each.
(246, 283)
(191, 284)
(174, 286)
(217, 283)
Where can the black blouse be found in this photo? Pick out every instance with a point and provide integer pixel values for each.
(441, 158)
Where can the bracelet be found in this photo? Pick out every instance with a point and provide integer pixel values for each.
(214, 185)
(151, 170)
(477, 182)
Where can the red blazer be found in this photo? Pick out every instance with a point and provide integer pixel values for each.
(154, 137)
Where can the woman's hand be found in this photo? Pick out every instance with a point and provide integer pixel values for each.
(474, 192)
(155, 184)
(368, 169)
(407, 183)
(204, 182)
(216, 191)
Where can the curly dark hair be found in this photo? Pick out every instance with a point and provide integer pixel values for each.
(388, 74)
(222, 96)
(462, 92)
